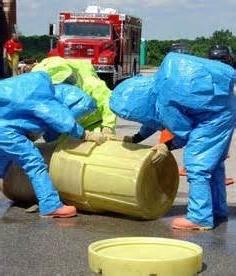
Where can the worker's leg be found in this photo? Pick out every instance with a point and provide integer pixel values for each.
(206, 148)
(15, 62)
(25, 154)
(218, 189)
(9, 63)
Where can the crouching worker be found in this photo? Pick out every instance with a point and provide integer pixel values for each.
(79, 103)
(192, 98)
(28, 105)
(82, 74)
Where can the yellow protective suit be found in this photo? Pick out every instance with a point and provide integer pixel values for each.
(82, 74)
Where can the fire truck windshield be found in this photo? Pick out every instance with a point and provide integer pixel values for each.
(87, 29)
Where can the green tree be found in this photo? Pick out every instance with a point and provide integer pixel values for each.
(35, 47)
(222, 37)
(199, 46)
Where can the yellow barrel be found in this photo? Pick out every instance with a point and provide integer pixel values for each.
(143, 256)
(114, 177)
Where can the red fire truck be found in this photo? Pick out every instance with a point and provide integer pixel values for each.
(110, 40)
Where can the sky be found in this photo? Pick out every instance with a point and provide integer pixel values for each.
(162, 19)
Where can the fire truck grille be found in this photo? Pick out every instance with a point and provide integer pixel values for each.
(79, 51)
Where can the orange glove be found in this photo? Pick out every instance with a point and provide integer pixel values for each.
(166, 136)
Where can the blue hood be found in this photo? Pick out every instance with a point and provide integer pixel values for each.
(134, 99)
(79, 103)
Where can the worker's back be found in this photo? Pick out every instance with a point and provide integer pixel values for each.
(195, 84)
(28, 104)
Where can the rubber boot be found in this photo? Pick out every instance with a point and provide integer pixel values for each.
(182, 223)
(229, 181)
(63, 212)
(182, 172)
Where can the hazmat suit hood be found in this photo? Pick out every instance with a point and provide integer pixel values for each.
(134, 99)
(58, 69)
(79, 103)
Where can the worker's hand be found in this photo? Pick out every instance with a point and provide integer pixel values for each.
(107, 130)
(109, 134)
(160, 153)
(97, 137)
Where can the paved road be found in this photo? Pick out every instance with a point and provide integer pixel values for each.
(30, 245)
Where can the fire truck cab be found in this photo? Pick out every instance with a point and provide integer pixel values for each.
(108, 39)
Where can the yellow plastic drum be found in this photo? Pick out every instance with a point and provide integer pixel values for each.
(114, 177)
(145, 257)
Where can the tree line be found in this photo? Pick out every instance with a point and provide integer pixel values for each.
(37, 47)
(156, 50)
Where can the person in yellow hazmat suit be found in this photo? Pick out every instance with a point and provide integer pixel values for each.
(82, 74)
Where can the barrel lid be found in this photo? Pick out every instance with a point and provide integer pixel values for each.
(145, 256)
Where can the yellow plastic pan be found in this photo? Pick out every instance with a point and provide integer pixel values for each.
(145, 257)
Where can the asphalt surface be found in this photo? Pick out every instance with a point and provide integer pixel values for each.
(30, 245)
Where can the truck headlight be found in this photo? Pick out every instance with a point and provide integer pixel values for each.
(67, 51)
(90, 52)
(103, 60)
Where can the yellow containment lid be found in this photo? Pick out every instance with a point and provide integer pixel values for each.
(145, 257)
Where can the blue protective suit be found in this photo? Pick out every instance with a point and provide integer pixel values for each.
(193, 100)
(79, 103)
(28, 105)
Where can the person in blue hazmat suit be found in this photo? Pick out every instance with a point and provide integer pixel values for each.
(191, 97)
(79, 103)
(28, 106)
